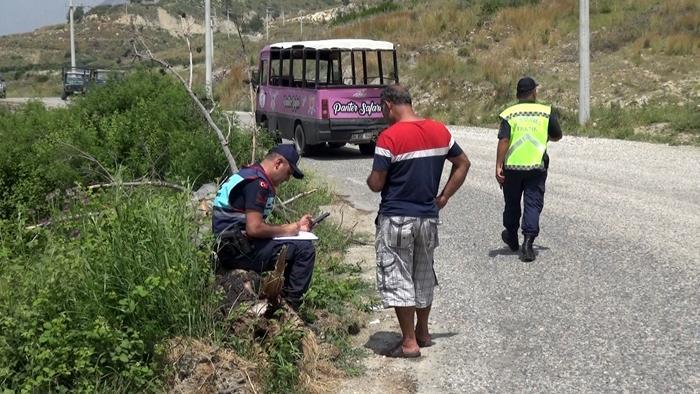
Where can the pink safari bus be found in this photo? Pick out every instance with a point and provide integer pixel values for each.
(325, 93)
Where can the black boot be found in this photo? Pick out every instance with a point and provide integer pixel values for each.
(528, 253)
(511, 239)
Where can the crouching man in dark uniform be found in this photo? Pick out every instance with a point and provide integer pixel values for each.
(245, 240)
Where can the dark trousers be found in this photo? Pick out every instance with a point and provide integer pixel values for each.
(301, 257)
(528, 186)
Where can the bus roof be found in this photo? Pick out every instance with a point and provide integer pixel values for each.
(335, 44)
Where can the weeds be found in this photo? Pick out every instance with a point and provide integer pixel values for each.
(650, 122)
(383, 7)
(86, 304)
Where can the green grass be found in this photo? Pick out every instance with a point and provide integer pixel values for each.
(652, 122)
(87, 303)
(364, 12)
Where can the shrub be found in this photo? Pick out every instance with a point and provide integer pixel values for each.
(142, 126)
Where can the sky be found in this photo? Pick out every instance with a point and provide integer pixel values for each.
(21, 16)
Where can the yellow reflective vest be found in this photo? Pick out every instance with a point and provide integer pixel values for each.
(529, 123)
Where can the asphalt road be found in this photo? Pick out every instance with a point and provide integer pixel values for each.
(612, 302)
(49, 102)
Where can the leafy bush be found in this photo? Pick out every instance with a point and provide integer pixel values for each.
(142, 126)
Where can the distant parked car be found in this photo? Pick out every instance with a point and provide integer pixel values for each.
(3, 88)
(75, 80)
(100, 76)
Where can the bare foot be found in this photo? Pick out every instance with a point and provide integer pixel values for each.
(424, 340)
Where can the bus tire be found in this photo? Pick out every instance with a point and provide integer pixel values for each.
(367, 149)
(300, 140)
(265, 127)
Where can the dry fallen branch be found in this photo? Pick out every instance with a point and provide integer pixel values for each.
(141, 183)
(282, 207)
(284, 210)
(91, 158)
(64, 219)
(222, 140)
(300, 195)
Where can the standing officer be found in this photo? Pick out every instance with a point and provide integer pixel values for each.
(245, 239)
(522, 162)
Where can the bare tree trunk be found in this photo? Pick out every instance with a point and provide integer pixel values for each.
(189, 49)
(251, 92)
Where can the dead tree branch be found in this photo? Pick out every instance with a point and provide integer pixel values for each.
(91, 158)
(298, 196)
(187, 34)
(140, 183)
(64, 219)
(148, 55)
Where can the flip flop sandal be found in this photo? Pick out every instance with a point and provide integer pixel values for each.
(427, 343)
(398, 352)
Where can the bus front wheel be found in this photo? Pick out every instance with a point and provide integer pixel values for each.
(367, 149)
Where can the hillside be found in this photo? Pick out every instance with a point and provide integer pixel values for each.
(461, 57)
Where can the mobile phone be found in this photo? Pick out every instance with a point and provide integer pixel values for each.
(318, 219)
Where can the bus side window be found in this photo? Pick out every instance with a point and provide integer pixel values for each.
(297, 73)
(310, 75)
(275, 72)
(265, 74)
(286, 78)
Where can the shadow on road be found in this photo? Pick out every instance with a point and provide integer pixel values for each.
(382, 342)
(345, 153)
(505, 251)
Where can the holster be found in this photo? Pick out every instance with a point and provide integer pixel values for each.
(234, 238)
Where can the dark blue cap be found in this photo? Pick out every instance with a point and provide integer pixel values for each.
(289, 152)
(525, 85)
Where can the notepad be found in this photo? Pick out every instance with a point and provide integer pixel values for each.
(302, 236)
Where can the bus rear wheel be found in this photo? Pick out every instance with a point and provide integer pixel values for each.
(303, 148)
(367, 149)
(265, 127)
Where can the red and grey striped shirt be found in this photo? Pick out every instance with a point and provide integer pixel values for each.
(413, 153)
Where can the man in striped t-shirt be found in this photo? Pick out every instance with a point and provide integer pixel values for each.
(408, 163)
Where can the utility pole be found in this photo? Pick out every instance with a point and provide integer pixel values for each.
(584, 98)
(267, 24)
(208, 47)
(228, 18)
(72, 35)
